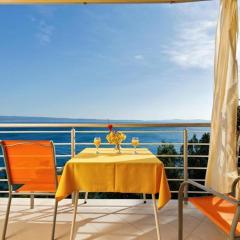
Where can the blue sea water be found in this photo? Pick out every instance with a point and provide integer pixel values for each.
(166, 134)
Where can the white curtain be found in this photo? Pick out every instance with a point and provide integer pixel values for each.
(222, 168)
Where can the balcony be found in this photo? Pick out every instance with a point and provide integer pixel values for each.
(110, 218)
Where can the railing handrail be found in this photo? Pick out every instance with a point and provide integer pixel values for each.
(101, 125)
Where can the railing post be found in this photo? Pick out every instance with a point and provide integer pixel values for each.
(73, 141)
(185, 160)
(73, 145)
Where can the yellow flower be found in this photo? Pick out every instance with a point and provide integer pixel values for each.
(115, 137)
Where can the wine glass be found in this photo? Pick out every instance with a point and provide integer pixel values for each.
(135, 143)
(97, 142)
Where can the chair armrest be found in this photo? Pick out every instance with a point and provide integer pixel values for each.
(234, 185)
(206, 189)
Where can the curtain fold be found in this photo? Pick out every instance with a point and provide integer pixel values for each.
(222, 167)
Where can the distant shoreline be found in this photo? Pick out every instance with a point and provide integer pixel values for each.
(30, 119)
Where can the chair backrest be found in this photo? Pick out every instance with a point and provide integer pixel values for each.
(30, 161)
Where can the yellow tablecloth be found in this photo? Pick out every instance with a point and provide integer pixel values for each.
(110, 171)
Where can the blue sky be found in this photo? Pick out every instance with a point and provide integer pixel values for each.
(149, 62)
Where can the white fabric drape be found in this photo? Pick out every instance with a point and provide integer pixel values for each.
(222, 168)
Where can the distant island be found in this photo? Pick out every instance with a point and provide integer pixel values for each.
(30, 119)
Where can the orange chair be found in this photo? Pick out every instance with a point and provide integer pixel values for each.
(223, 210)
(31, 170)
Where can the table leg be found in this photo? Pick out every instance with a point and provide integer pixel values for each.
(156, 217)
(86, 197)
(76, 194)
(73, 197)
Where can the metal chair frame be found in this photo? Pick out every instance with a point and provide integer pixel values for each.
(181, 199)
(32, 194)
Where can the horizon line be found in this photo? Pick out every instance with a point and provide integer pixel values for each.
(105, 119)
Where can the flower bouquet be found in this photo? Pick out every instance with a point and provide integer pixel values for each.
(115, 137)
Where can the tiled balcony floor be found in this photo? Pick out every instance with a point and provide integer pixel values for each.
(104, 220)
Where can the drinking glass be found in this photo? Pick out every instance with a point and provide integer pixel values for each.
(135, 143)
(97, 142)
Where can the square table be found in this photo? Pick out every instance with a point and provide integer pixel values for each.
(110, 171)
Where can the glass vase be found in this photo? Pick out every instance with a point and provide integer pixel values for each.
(118, 148)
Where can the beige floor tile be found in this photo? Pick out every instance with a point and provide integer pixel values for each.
(118, 230)
(207, 230)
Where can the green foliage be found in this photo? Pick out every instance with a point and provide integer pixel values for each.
(195, 159)
(169, 149)
(199, 151)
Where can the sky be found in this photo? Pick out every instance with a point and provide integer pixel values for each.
(132, 62)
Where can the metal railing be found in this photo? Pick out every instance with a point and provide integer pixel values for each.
(70, 135)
